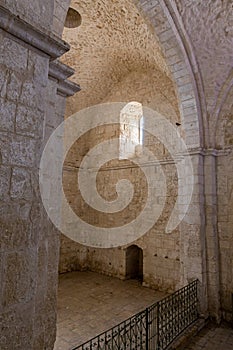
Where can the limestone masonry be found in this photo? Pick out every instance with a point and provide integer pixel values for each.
(172, 56)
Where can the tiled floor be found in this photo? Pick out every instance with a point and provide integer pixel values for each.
(89, 303)
(213, 338)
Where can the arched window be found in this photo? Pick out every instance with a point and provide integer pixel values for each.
(73, 18)
(131, 129)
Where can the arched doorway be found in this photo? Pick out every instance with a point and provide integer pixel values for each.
(134, 263)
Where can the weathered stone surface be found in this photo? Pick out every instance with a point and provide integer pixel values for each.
(19, 282)
(17, 323)
(7, 112)
(39, 13)
(29, 122)
(14, 86)
(20, 184)
(13, 55)
(5, 174)
(18, 150)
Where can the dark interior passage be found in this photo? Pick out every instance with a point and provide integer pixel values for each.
(134, 263)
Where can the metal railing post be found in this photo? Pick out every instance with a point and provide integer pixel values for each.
(147, 329)
(157, 327)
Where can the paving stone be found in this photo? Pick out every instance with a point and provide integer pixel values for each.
(213, 337)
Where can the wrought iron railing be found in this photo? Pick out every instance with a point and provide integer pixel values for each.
(153, 328)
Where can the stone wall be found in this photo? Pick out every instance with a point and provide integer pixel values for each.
(23, 91)
(225, 224)
(38, 13)
(161, 251)
(60, 12)
(225, 203)
(33, 92)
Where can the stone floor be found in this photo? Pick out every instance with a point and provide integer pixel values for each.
(89, 303)
(213, 338)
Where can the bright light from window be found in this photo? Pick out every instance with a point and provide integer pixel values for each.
(131, 129)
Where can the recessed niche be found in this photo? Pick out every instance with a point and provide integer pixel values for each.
(73, 19)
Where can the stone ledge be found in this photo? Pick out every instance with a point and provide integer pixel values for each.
(67, 88)
(120, 167)
(177, 158)
(60, 71)
(47, 43)
(209, 152)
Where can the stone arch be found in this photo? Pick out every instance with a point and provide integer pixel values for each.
(222, 108)
(164, 20)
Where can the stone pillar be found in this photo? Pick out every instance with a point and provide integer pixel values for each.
(192, 229)
(225, 231)
(199, 237)
(31, 107)
(212, 242)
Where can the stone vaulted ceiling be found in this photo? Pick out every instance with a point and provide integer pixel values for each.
(113, 41)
